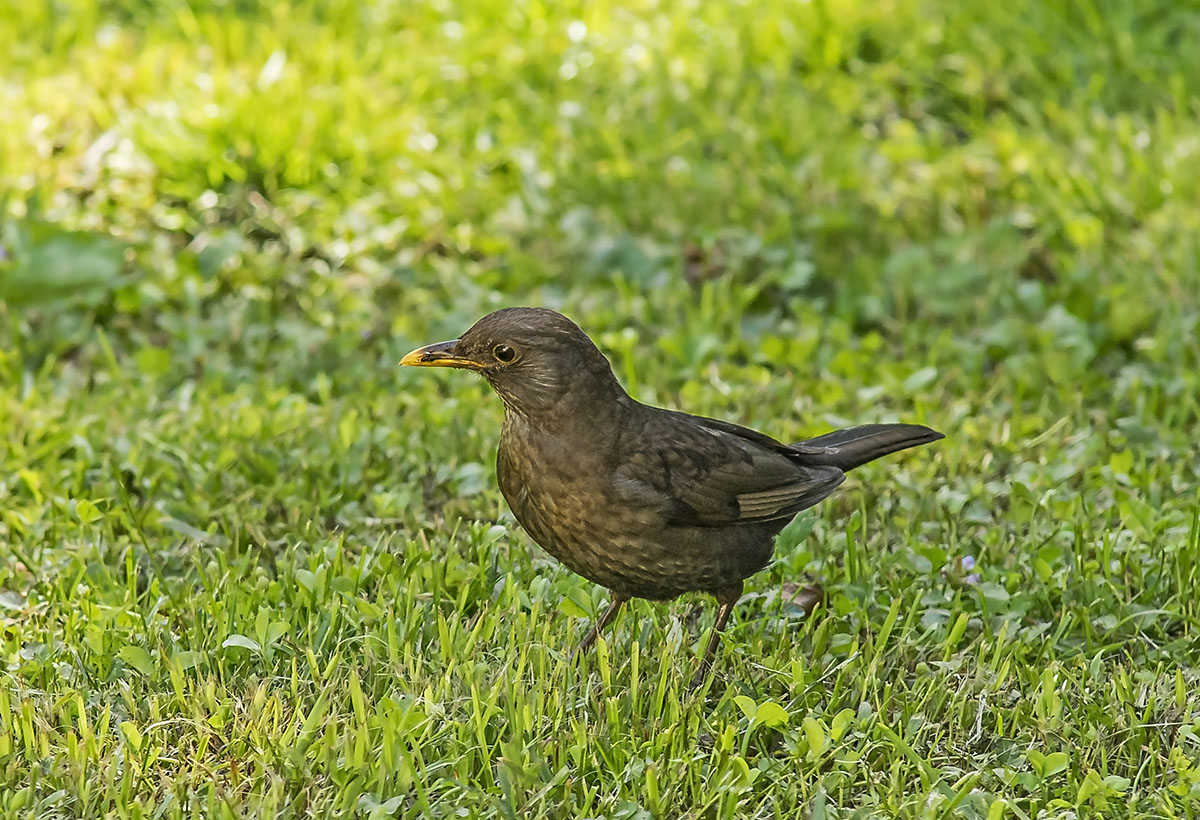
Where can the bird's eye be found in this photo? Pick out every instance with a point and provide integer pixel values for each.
(504, 353)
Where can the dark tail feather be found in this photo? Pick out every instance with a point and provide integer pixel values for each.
(855, 446)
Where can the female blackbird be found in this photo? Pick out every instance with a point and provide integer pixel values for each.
(651, 503)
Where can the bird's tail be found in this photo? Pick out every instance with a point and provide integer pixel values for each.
(855, 446)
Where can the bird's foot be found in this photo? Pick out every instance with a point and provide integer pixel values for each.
(699, 679)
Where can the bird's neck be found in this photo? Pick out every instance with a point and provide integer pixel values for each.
(581, 412)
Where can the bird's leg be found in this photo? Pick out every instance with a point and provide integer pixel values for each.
(604, 620)
(726, 598)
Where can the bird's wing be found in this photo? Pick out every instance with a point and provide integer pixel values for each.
(714, 474)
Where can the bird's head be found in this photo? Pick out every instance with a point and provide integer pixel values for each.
(534, 358)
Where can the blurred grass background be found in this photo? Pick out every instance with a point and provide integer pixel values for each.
(222, 508)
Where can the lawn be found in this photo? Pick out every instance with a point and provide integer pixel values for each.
(251, 568)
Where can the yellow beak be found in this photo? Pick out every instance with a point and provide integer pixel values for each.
(438, 355)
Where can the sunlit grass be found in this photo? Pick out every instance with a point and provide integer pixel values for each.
(250, 568)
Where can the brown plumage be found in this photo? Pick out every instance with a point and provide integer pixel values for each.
(651, 503)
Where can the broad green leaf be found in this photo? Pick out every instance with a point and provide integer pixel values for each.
(1055, 762)
(277, 630)
(132, 735)
(576, 603)
(187, 659)
(86, 511)
(138, 658)
(52, 265)
(841, 722)
(243, 642)
(153, 361)
(814, 734)
(1117, 783)
(771, 714)
(747, 705)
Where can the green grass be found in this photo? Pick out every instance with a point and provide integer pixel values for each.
(248, 567)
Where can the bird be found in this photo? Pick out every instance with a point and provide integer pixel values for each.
(648, 502)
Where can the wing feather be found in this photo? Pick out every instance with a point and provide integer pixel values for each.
(715, 474)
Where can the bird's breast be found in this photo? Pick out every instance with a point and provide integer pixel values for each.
(564, 497)
(553, 490)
